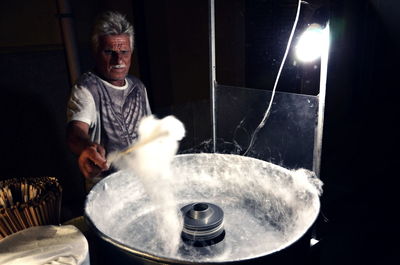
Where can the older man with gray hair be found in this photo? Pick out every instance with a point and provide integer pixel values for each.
(106, 104)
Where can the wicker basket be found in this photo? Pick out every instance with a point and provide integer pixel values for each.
(28, 202)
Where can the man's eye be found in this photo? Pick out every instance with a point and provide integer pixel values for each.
(108, 52)
(124, 52)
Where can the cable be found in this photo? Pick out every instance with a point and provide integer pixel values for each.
(262, 123)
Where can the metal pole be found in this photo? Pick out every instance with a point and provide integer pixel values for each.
(68, 36)
(211, 34)
(321, 103)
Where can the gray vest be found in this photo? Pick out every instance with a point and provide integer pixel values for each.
(118, 111)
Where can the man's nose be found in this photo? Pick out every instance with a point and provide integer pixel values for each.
(117, 57)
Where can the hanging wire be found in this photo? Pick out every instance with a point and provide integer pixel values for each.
(267, 113)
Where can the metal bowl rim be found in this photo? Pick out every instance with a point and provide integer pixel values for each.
(159, 258)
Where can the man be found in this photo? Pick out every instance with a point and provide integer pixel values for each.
(106, 104)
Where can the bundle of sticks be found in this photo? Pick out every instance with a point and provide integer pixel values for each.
(28, 202)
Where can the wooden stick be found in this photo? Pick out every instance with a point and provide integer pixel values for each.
(7, 223)
(3, 196)
(3, 228)
(2, 202)
(9, 195)
(33, 215)
(26, 195)
(23, 192)
(28, 216)
(9, 220)
(20, 191)
(35, 192)
(23, 216)
(41, 214)
(19, 217)
(136, 146)
(14, 221)
(38, 215)
(42, 208)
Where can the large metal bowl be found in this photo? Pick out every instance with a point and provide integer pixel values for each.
(267, 208)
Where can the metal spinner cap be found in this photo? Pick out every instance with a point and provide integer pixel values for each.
(203, 224)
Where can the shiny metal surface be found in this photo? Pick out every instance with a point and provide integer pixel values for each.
(267, 208)
(202, 222)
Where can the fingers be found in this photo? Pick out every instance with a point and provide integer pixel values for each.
(96, 154)
(88, 169)
(92, 161)
(100, 149)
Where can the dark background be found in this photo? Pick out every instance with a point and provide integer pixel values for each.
(358, 223)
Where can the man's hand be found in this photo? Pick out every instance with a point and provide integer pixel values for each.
(92, 160)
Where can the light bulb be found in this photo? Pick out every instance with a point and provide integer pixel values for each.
(311, 43)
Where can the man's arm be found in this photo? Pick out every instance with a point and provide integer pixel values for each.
(91, 159)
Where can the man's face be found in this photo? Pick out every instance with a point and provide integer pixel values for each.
(113, 58)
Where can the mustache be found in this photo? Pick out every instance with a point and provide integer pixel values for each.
(118, 66)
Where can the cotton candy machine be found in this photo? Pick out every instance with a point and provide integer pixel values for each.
(252, 209)
(203, 224)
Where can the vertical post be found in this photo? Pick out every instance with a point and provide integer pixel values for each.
(68, 36)
(321, 102)
(211, 35)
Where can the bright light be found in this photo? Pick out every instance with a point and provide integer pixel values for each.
(311, 43)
